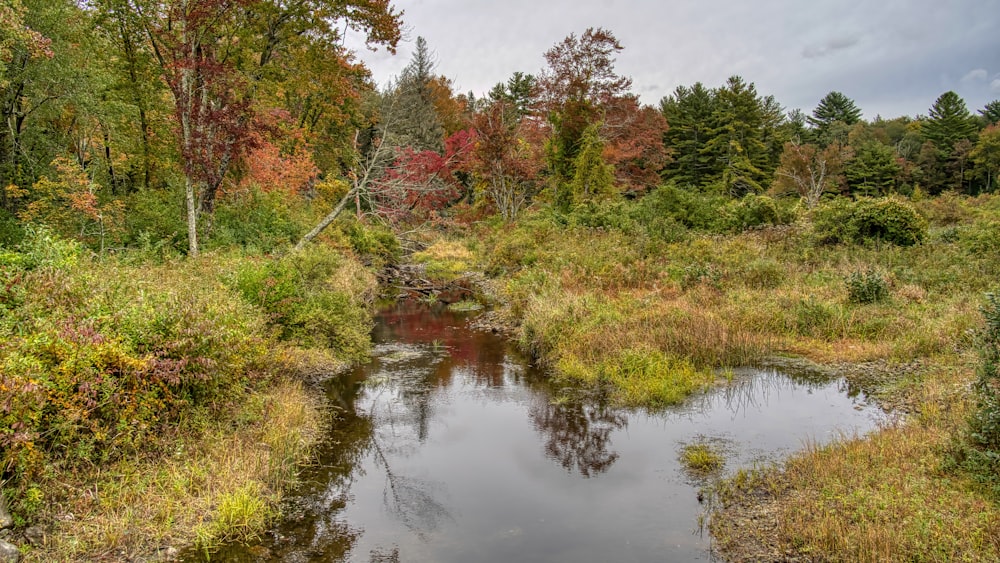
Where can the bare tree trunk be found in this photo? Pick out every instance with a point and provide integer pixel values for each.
(330, 217)
(192, 217)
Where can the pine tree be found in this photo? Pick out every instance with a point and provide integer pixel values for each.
(833, 117)
(835, 106)
(949, 122)
(991, 113)
(688, 112)
(411, 115)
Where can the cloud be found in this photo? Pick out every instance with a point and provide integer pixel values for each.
(975, 75)
(829, 47)
(995, 86)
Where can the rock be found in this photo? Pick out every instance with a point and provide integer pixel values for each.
(6, 521)
(9, 553)
(35, 536)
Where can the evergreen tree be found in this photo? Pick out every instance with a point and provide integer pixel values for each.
(873, 170)
(991, 113)
(411, 117)
(835, 106)
(688, 111)
(949, 122)
(741, 137)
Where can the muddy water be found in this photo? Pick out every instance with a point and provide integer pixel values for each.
(449, 447)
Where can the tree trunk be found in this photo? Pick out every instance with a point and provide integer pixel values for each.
(330, 217)
(192, 217)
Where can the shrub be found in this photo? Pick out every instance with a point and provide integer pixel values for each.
(752, 211)
(982, 458)
(890, 220)
(301, 303)
(867, 286)
(100, 363)
(256, 220)
(376, 245)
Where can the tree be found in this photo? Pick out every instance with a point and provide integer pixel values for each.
(986, 153)
(688, 111)
(990, 113)
(520, 92)
(949, 122)
(413, 114)
(835, 106)
(810, 171)
(507, 156)
(580, 78)
(215, 54)
(633, 138)
(873, 170)
(743, 129)
(593, 178)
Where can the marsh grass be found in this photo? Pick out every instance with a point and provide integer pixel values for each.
(609, 308)
(222, 483)
(701, 458)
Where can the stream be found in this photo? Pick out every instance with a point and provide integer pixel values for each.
(450, 447)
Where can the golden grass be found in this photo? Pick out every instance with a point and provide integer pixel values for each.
(220, 484)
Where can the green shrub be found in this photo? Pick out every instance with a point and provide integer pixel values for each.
(752, 211)
(375, 244)
(980, 454)
(764, 273)
(257, 220)
(889, 220)
(156, 218)
(694, 210)
(982, 237)
(297, 297)
(867, 286)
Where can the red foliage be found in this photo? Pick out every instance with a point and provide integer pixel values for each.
(633, 136)
(422, 182)
(211, 103)
(281, 159)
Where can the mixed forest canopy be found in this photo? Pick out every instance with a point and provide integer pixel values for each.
(131, 122)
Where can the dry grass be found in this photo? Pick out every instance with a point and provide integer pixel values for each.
(222, 483)
(588, 300)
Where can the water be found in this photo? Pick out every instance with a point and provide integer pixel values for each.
(449, 447)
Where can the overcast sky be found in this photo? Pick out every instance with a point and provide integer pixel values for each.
(892, 57)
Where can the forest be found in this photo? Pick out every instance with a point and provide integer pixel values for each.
(199, 197)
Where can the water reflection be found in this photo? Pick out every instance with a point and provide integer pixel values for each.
(449, 447)
(577, 435)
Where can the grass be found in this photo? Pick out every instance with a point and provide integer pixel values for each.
(157, 404)
(445, 261)
(646, 318)
(222, 483)
(701, 458)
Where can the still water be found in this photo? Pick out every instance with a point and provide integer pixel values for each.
(449, 447)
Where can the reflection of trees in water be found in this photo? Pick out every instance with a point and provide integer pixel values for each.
(412, 501)
(756, 390)
(401, 409)
(577, 434)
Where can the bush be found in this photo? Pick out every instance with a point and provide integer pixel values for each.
(694, 210)
(752, 211)
(980, 455)
(868, 286)
(374, 244)
(94, 362)
(890, 220)
(302, 305)
(256, 220)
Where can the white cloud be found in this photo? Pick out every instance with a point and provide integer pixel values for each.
(995, 86)
(975, 75)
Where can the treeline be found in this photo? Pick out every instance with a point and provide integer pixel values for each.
(175, 123)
